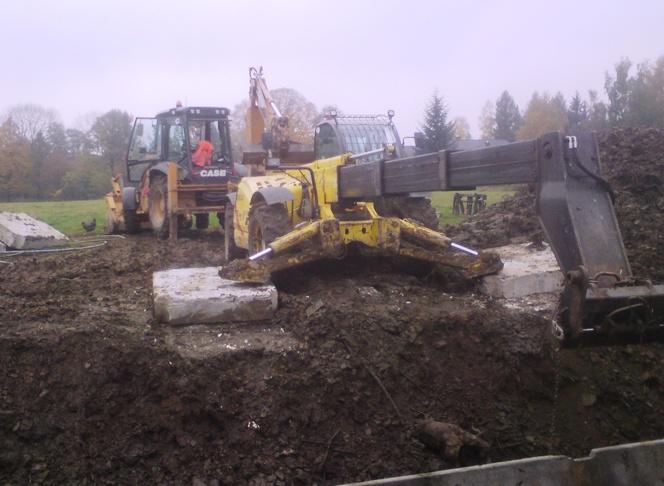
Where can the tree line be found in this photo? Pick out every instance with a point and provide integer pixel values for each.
(634, 97)
(42, 159)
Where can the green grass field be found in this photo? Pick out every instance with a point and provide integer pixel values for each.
(67, 216)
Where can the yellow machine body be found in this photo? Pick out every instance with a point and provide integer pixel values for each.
(310, 195)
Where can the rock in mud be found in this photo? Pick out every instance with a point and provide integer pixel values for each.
(453, 443)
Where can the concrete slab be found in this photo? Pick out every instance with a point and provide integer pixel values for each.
(526, 271)
(199, 295)
(21, 231)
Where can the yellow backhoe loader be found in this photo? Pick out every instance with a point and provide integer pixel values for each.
(177, 167)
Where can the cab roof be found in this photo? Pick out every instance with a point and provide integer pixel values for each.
(196, 112)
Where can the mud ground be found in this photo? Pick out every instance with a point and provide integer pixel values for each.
(92, 391)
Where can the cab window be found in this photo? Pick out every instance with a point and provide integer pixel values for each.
(144, 148)
(176, 142)
(213, 131)
(326, 144)
(145, 140)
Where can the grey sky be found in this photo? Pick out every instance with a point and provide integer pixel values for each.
(79, 56)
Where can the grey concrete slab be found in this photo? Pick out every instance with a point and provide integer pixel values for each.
(21, 231)
(526, 271)
(199, 295)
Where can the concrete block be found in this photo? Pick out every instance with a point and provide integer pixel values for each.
(200, 295)
(526, 271)
(23, 232)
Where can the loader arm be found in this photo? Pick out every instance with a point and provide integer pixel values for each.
(601, 299)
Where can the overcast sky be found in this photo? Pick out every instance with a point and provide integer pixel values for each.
(79, 56)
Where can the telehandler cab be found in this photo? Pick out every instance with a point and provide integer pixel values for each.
(177, 167)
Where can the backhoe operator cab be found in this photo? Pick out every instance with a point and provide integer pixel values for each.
(196, 138)
(337, 135)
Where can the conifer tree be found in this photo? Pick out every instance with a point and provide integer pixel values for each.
(438, 132)
(508, 118)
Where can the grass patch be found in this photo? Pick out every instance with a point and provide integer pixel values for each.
(65, 216)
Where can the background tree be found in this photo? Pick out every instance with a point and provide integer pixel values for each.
(15, 167)
(598, 112)
(78, 142)
(88, 179)
(617, 90)
(30, 119)
(110, 133)
(461, 128)
(302, 113)
(508, 118)
(645, 100)
(39, 152)
(577, 114)
(487, 120)
(438, 132)
(543, 115)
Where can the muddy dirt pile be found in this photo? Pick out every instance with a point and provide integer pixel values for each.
(93, 391)
(633, 162)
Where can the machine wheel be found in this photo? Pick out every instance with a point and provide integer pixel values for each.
(158, 206)
(202, 221)
(231, 250)
(266, 224)
(131, 221)
(416, 208)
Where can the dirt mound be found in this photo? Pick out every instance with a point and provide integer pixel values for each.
(633, 162)
(359, 351)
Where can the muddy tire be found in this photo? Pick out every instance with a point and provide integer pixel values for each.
(231, 250)
(266, 224)
(202, 221)
(131, 221)
(418, 209)
(159, 206)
